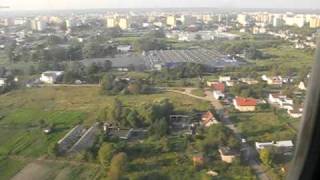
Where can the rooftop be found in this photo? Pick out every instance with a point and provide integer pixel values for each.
(246, 101)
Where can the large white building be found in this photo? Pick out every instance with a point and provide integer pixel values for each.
(172, 21)
(297, 20)
(243, 19)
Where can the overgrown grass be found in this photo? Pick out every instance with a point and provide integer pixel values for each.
(264, 126)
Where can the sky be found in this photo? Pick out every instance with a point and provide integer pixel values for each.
(92, 4)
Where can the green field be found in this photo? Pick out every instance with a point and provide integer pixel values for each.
(198, 92)
(264, 126)
(287, 57)
(21, 135)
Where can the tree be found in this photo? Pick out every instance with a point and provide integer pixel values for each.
(118, 166)
(107, 66)
(93, 68)
(105, 154)
(116, 110)
(135, 87)
(160, 128)
(133, 119)
(93, 50)
(162, 109)
(107, 82)
(265, 156)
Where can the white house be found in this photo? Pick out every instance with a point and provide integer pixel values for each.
(218, 95)
(276, 80)
(3, 81)
(124, 48)
(277, 144)
(283, 101)
(295, 112)
(249, 81)
(224, 78)
(230, 83)
(50, 77)
(302, 86)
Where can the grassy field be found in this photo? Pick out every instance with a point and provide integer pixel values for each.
(287, 57)
(198, 92)
(20, 132)
(9, 168)
(264, 126)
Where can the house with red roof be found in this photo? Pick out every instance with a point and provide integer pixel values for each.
(218, 87)
(218, 91)
(245, 104)
(208, 119)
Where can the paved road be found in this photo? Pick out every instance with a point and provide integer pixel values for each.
(250, 153)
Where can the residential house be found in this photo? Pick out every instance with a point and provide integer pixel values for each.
(276, 80)
(230, 83)
(218, 95)
(211, 83)
(283, 101)
(302, 86)
(218, 91)
(280, 146)
(245, 104)
(51, 77)
(249, 81)
(296, 112)
(124, 48)
(3, 81)
(224, 78)
(227, 155)
(208, 119)
(198, 160)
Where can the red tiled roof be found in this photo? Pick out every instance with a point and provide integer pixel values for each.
(246, 101)
(218, 87)
(207, 117)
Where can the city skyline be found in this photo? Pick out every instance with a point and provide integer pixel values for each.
(98, 4)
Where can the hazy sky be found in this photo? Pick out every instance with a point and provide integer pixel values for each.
(88, 4)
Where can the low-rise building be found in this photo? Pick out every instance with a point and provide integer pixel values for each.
(249, 81)
(3, 81)
(296, 112)
(230, 83)
(227, 155)
(276, 80)
(281, 146)
(245, 104)
(224, 78)
(302, 86)
(51, 77)
(281, 100)
(218, 91)
(208, 119)
(218, 95)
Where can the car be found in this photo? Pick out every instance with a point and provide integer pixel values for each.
(243, 140)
